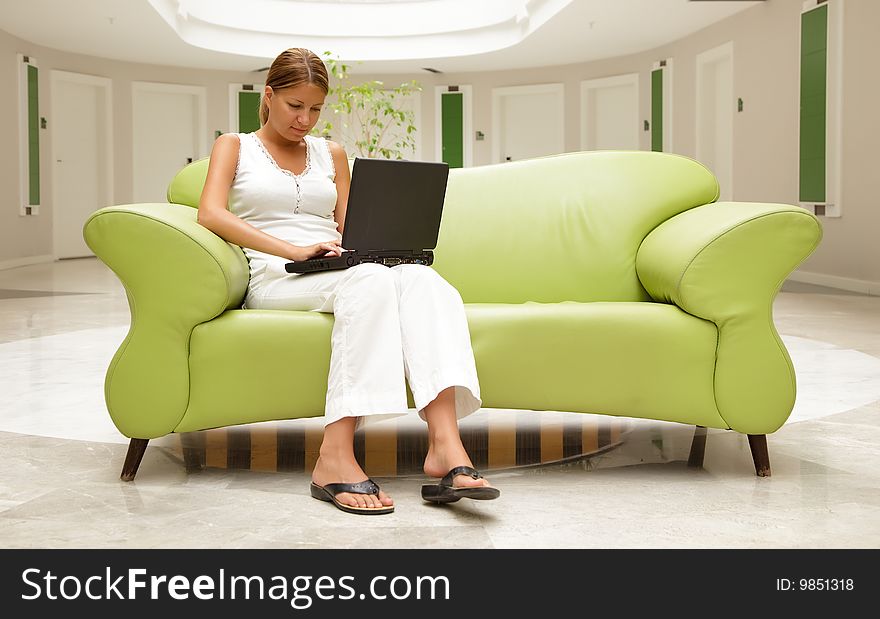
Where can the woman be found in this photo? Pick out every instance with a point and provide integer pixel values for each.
(281, 195)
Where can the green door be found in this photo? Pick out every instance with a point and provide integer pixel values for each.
(814, 53)
(452, 128)
(33, 127)
(657, 110)
(248, 111)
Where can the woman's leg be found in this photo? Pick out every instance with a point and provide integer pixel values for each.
(366, 378)
(436, 342)
(366, 366)
(445, 450)
(336, 464)
(439, 364)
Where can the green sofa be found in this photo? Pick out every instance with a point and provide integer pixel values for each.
(597, 282)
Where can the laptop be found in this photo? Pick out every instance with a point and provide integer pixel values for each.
(393, 215)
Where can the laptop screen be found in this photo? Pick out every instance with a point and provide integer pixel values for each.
(394, 205)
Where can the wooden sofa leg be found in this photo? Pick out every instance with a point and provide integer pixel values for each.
(133, 458)
(758, 444)
(698, 448)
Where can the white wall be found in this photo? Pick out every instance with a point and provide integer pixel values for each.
(766, 68)
(24, 239)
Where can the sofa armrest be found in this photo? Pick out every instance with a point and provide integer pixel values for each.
(725, 262)
(718, 260)
(177, 274)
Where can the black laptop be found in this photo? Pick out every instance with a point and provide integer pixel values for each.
(393, 215)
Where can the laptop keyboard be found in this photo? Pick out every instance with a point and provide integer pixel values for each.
(322, 257)
(386, 260)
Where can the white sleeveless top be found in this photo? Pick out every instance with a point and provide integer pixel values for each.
(297, 208)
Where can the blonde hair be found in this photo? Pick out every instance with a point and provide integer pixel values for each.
(293, 67)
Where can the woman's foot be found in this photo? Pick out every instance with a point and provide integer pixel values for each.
(341, 467)
(444, 456)
(445, 451)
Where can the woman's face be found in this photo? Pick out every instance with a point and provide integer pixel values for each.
(294, 111)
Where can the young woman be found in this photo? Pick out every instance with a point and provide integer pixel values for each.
(281, 195)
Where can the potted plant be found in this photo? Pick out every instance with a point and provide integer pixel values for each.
(371, 118)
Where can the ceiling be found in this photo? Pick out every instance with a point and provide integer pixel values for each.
(541, 33)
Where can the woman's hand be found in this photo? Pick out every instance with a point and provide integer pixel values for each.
(328, 249)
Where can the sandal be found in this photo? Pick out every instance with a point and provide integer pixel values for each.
(445, 492)
(328, 493)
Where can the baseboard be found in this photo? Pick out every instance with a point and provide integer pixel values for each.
(23, 262)
(833, 281)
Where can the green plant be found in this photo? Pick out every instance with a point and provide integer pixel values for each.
(372, 122)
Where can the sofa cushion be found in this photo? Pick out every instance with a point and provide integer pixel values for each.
(648, 360)
(636, 359)
(561, 228)
(186, 186)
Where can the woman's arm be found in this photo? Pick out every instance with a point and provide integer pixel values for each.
(343, 182)
(216, 217)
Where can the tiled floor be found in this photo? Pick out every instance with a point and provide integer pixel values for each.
(60, 323)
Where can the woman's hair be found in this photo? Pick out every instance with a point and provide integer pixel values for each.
(293, 67)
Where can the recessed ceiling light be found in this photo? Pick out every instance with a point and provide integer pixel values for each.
(365, 30)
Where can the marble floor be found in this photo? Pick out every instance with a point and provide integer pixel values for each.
(629, 486)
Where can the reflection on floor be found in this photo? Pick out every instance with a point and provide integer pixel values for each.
(567, 480)
(399, 446)
(21, 294)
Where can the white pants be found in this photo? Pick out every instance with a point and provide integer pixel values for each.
(391, 324)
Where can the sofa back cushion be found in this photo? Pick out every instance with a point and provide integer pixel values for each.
(564, 227)
(559, 228)
(186, 186)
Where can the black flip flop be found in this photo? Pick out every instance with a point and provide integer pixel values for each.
(328, 493)
(445, 492)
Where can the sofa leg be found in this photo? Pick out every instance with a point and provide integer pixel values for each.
(758, 444)
(133, 458)
(698, 448)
